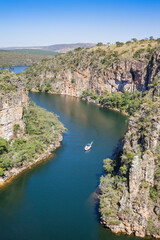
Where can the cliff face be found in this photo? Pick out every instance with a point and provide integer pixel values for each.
(126, 75)
(11, 107)
(129, 200)
(33, 133)
(137, 191)
(95, 71)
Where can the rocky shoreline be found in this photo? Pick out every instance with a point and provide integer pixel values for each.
(129, 196)
(15, 172)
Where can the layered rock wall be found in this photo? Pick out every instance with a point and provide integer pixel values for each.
(136, 205)
(11, 109)
(124, 75)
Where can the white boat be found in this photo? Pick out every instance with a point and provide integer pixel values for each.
(88, 146)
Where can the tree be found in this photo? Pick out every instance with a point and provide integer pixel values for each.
(16, 128)
(99, 44)
(119, 44)
(78, 49)
(10, 67)
(3, 145)
(123, 170)
(134, 39)
(1, 172)
(4, 66)
(108, 165)
(48, 87)
(7, 66)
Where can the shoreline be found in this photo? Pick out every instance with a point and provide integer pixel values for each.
(84, 99)
(16, 172)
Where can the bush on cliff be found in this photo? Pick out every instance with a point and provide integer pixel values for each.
(3, 145)
(42, 130)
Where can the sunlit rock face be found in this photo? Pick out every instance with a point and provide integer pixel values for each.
(11, 110)
(124, 75)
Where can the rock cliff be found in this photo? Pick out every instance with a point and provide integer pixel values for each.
(96, 70)
(135, 187)
(28, 134)
(13, 97)
(130, 193)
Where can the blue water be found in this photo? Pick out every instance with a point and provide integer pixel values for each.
(55, 200)
(18, 69)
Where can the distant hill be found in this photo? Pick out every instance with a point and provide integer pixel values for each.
(61, 48)
(36, 52)
(26, 56)
(20, 58)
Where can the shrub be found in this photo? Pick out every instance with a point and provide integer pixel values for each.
(134, 39)
(123, 169)
(1, 172)
(19, 143)
(48, 87)
(129, 156)
(119, 44)
(153, 193)
(99, 44)
(78, 49)
(138, 53)
(72, 80)
(108, 165)
(16, 128)
(3, 145)
(114, 222)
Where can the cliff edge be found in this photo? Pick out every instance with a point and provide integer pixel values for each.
(130, 192)
(28, 133)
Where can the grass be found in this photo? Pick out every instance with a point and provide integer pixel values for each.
(127, 50)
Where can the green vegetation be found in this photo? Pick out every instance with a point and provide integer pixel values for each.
(16, 128)
(36, 52)
(138, 53)
(42, 130)
(137, 144)
(48, 87)
(153, 193)
(3, 146)
(1, 172)
(99, 44)
(78, 49)
(119, 44)
(125, 102)
(8, 81)
(108, 165)
(98, 60)
(21, 58)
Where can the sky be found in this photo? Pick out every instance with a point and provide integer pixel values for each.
(46, 22)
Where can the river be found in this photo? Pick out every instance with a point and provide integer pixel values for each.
(17, 69)
(56, 199)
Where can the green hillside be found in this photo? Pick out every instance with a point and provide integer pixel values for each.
(19, 58)
(36, 52)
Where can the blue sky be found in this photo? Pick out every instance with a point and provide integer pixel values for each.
(46, 22)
